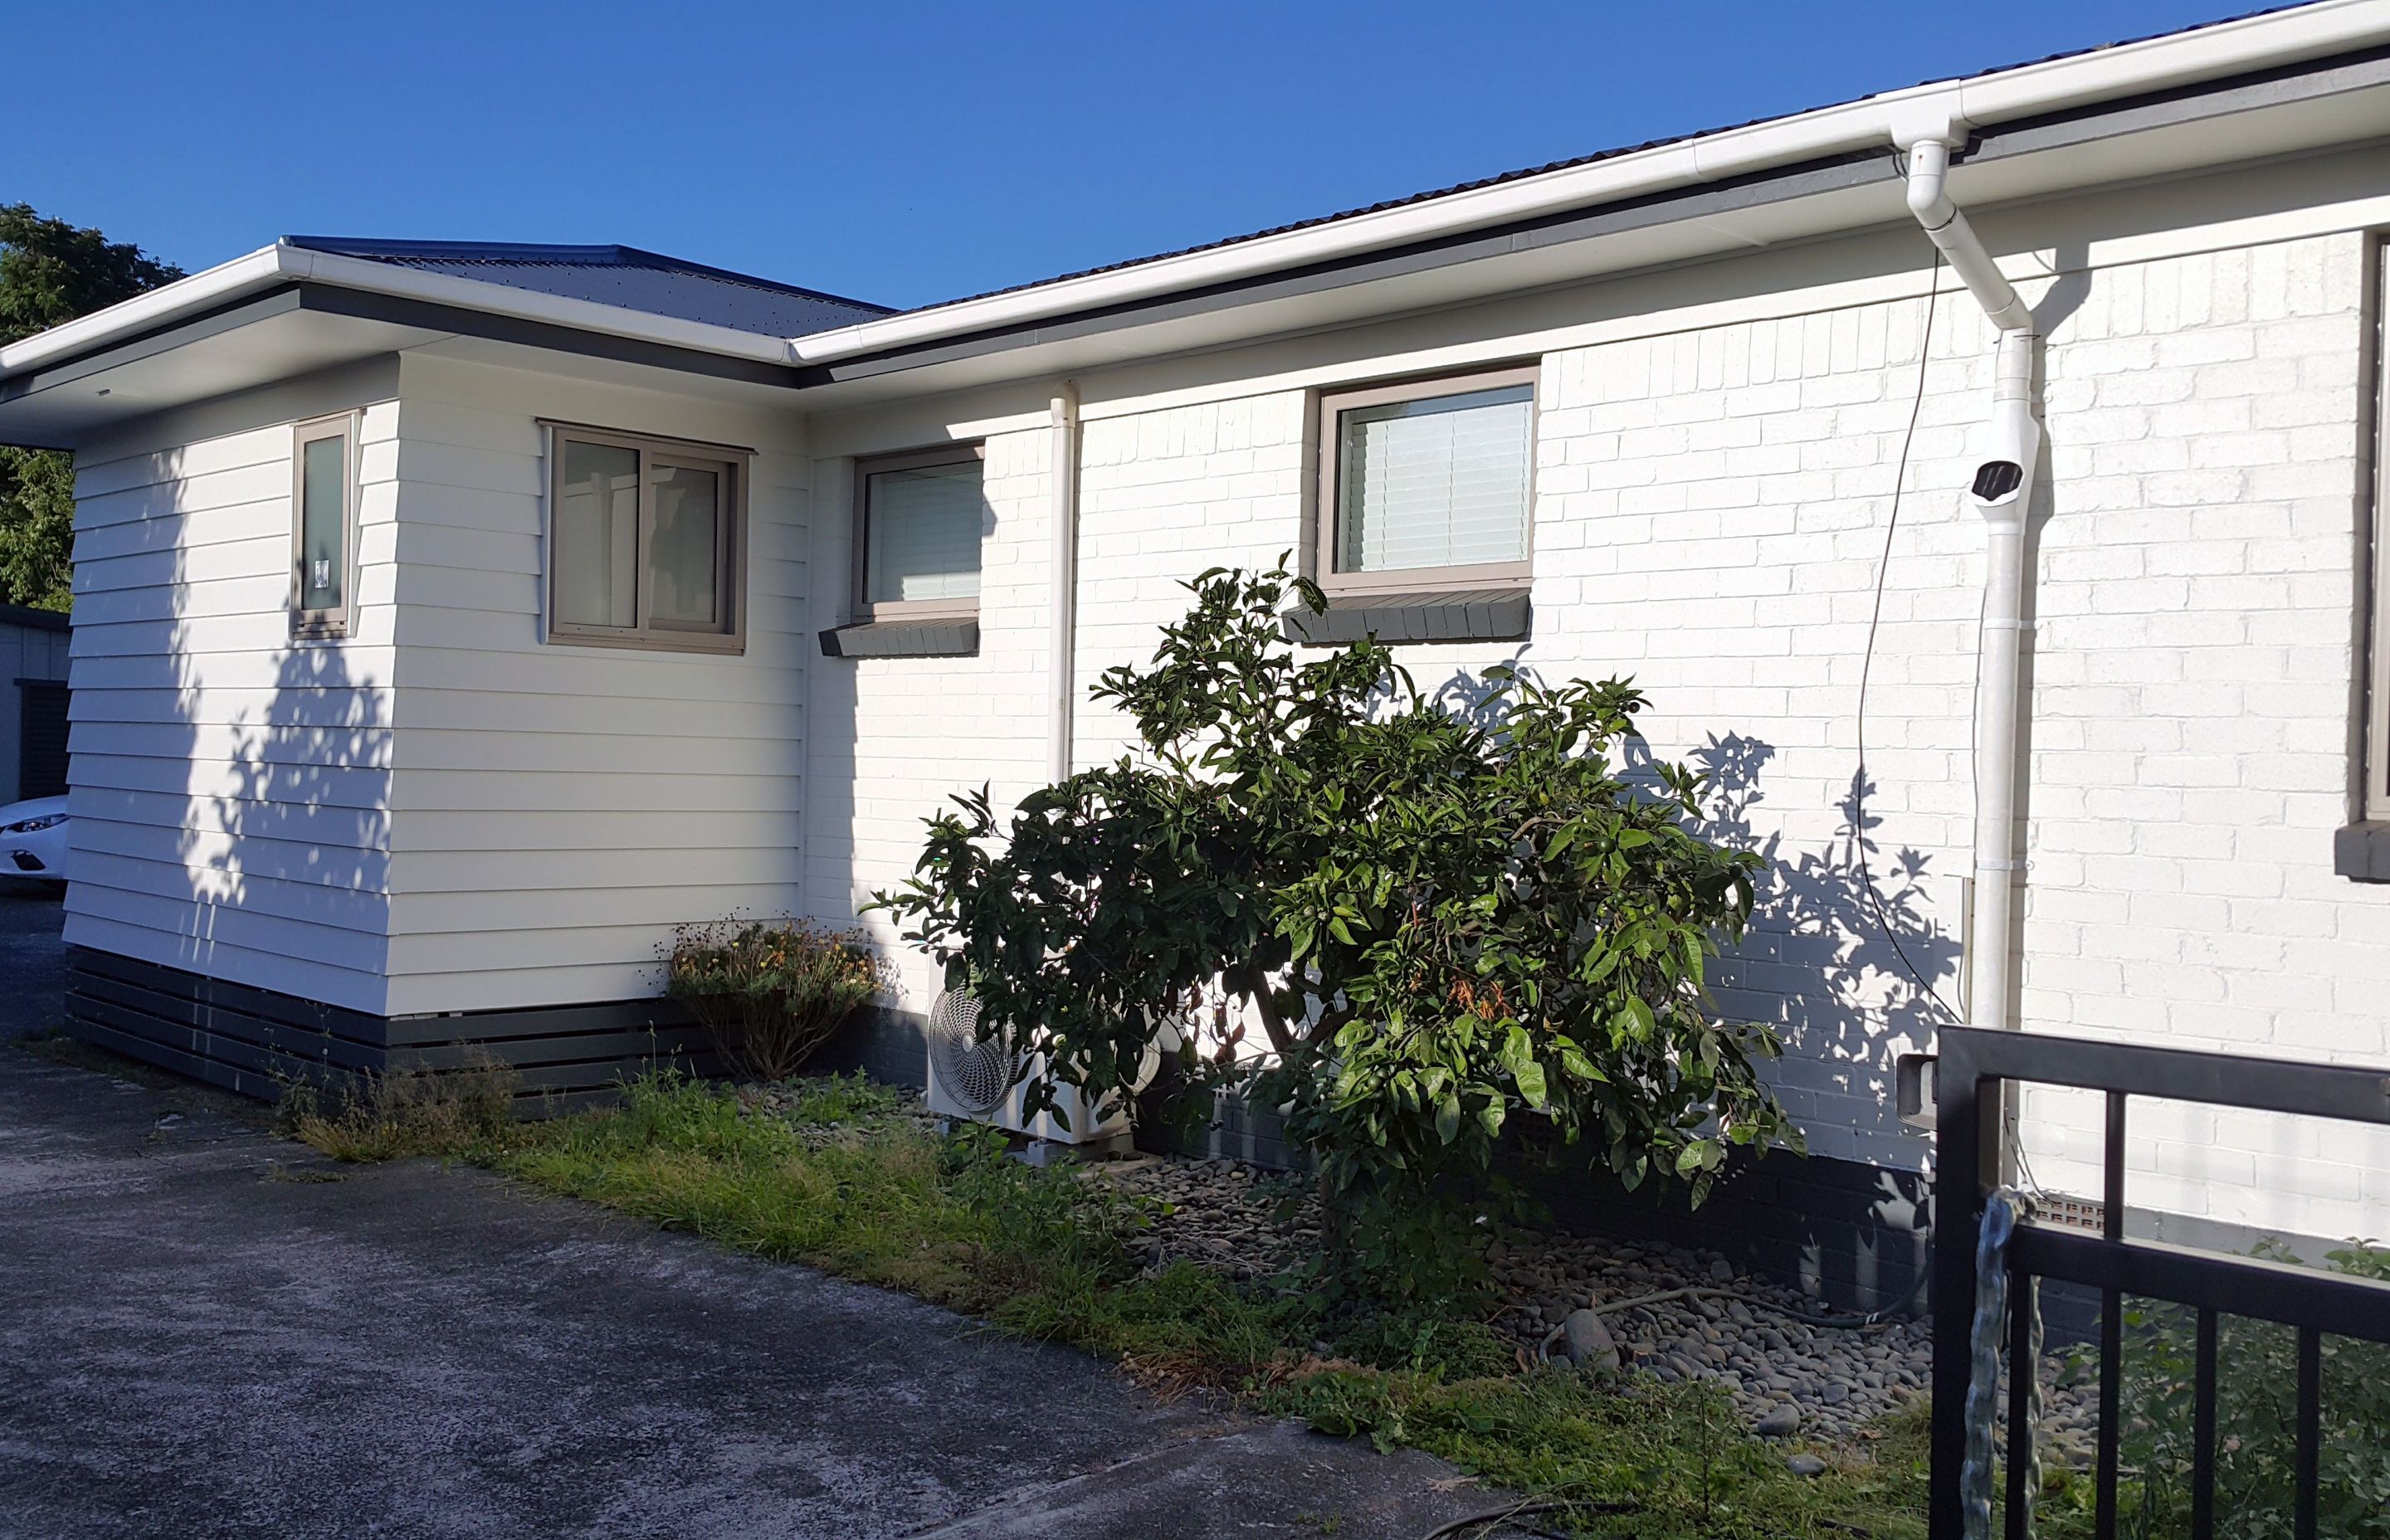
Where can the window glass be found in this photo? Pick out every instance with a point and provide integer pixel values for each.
(323, 522)
(685, 553)
(923, 529)
(596, 534)
(1441, 481)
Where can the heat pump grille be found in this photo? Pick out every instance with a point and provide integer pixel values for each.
(975, 1076)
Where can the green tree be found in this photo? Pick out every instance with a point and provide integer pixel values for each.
(1468, 929)
(50, 273)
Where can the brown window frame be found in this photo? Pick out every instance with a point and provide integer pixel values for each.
(326, 622)
(1329, 449)
(728, 637)
(866, 468)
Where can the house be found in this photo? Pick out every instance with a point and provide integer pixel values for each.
(32, 703)
(452, 621)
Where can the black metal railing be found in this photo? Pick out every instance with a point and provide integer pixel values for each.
(1972, 1064)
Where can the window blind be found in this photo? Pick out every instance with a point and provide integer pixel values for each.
(923, 534)
(1437, 482)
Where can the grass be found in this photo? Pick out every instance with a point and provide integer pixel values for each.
(453, 1113)
(835, 1175)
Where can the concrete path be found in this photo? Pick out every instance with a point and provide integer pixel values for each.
(207, 1331)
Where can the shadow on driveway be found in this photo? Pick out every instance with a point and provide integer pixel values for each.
(33, 957)
(207, 1331)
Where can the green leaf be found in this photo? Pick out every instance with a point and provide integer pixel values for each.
(1448, 1118)
(1530, 1077)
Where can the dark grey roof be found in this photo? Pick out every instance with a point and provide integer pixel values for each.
(621, 276)
(39, 620)
(1573, 162)
(665, 286)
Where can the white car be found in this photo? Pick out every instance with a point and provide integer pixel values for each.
(33, 840)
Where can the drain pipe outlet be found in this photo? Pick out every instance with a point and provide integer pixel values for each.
(2008, 448)
(1062, 466)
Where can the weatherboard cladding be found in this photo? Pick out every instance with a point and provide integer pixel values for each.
(620, 275)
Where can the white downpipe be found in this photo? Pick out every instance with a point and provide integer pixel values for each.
(2009, 448)
(1064, 467)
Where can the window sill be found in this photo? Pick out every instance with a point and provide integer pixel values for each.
(2361, 852)
(955, 637)
(1442, 615)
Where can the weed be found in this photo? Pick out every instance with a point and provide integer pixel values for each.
(407, 1113)
(1641, 1460)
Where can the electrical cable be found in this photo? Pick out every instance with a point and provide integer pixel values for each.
(1867, 659)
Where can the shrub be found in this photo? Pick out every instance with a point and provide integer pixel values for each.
(770, 993)
(1454, 926)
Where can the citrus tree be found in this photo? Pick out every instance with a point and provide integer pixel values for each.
(1465, 925)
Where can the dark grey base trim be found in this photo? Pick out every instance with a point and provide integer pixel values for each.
(903, 639)
(1856, 1236)
(2363, 852)
(260, 1043)
(881, 1042)
(1480, 615)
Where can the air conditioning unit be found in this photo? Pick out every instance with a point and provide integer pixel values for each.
(978, 1082)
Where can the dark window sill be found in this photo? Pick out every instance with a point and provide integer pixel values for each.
(947, 638)
(1446, 615)
(2361, 852)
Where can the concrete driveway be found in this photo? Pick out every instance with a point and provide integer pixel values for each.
(209, 1331)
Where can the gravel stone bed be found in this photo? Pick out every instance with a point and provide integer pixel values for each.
(1834, 1380)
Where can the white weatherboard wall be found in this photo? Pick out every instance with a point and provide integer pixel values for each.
(1713, 497)
(559, 809)
(231, 789)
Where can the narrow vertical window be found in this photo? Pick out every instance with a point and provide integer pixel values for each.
(645, 542)
(322, 517)
(2361, 849)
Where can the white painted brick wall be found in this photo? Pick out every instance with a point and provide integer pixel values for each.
(893, 739)
(1711, 514)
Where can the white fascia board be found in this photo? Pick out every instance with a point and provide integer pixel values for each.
(229, 280)
(282, 262)
(1937, 109)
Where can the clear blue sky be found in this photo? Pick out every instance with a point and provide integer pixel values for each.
(905, 152)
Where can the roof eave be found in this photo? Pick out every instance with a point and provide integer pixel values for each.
(283, 263)
(1953, 107)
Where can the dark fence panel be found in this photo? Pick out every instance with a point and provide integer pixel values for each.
(1972, 1066)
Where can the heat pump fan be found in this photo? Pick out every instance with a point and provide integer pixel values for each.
(985, 1083)
(970, 1078)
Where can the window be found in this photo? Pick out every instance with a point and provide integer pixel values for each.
(2361, 848)
(919, 518)
(646, 542)
(1427, 484)
(323, 515)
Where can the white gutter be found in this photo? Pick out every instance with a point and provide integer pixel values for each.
(230, 280)
(2184, 59)
(282, 262)
(1062, 466)
(2009, 449)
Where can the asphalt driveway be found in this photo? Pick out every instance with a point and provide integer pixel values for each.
(206, 1331)
(33, 958)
